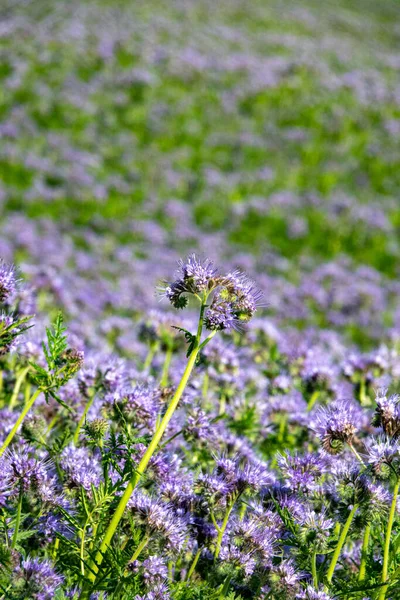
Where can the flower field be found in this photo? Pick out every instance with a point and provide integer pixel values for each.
(199, 300)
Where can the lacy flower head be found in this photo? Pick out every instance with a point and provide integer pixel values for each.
(8, 281)
(387, 413)
(234, 297)
(337, 425)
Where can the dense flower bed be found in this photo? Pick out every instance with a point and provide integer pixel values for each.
(232, 430)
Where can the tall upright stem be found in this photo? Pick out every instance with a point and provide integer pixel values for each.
(83, 417)
(221, 530)
(18, 519)
(314, 569)
(17, 387)
(386, 551)
(21, 417)
(165, 371)
(139, 549)
(140, 469)
(340, 544)
(364, 552)
(193, 565)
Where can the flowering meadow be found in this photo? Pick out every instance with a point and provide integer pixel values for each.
(199, 300)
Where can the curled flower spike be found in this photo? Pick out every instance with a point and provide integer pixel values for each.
(337, 425)
(384, 457)
(194, 277)
(8, 281)
(235, 299)
(387, 413)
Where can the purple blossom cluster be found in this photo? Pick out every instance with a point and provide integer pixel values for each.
(246, 445)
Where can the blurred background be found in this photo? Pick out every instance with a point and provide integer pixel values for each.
(264, 134)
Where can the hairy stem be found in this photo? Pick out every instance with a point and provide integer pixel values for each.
(358, 457)
(17, 387)
(314, 397)
(221, 529)
(364, 552)
(341, 541)
(141, 468)
(140, 548)
(193, 565)
(150, 356)
(21, 417)
(18, 519)
(83, 417)
(165, 371)
(386, 551)
(314, 569)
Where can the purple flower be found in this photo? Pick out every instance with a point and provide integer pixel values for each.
(284, 579)
(158, 592)
(384, 457)
(153, 570)
(387, 413)
(311, 593)
(239, 479)
(81, 468)
(336, 425)
(36, 579)
(302, 472)
(241, 559)
(159, 521)
(194, 277)
(8, 281)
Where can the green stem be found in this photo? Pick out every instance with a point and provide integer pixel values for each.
(140, 469)
(225, 588)
(82, 553)
(18, 519)
(83, 417)
(222, 404)
(193, 565)
(221, 529)
(282, 428)
(139, 549)
(21, 417)
(150, 356)
(386, 552)
(340, 544)
(314, 397)
(165, 371)
(314, 569)
(27, 392)
(358, 457)
(204, 389)
(364, 552)
(17, 387)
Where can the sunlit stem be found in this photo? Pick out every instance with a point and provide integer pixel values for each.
(204, 389)
(193, 565)
(341, 541)
(17, 387)
(388, 534)
(141, 468)
(282, 428)
(150, 356)
(20, 419)
(314, 569)
(358, 457)
(18, 518)
(221, 529)
(165, 371)
(140, 548)
(83, 416)
(313, 399)
(364, 552)
(225, 587)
